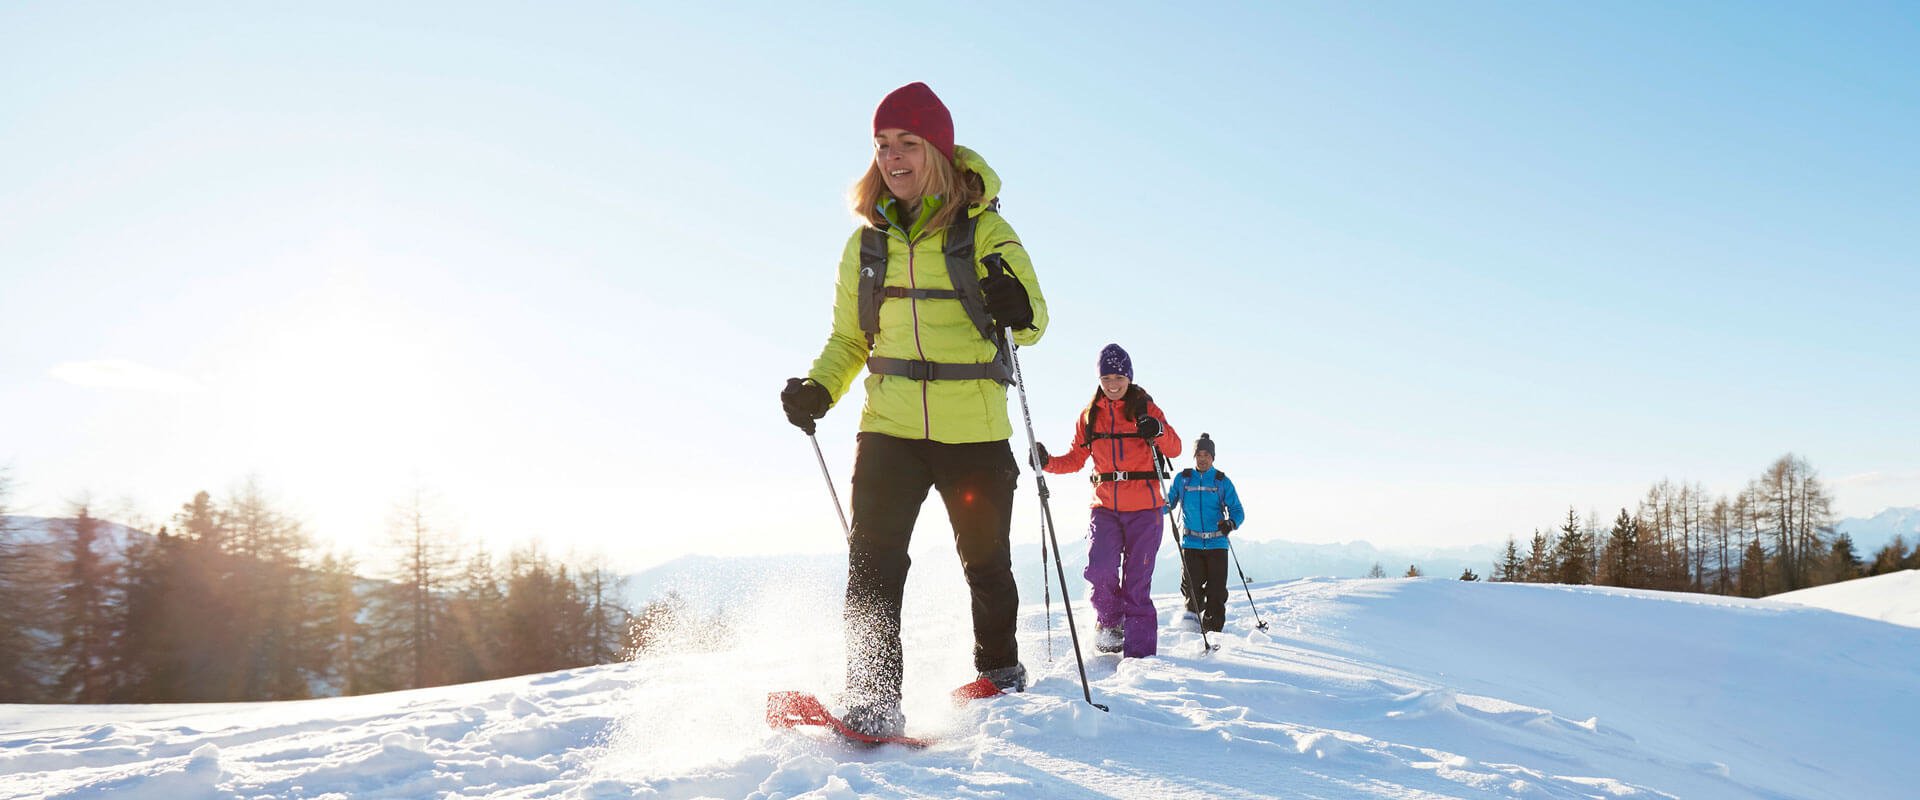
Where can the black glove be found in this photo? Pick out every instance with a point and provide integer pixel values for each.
(804, 402)
(1007, 302)
(1040, 455)
(1149, 427)
(1226, 526)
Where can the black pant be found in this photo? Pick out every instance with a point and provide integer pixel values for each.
(890, 481)
(1209, 569)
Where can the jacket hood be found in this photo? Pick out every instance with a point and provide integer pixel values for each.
(969, 161)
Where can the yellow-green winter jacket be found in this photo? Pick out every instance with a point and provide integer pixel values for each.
(927, 330)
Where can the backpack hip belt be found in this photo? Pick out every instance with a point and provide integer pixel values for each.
(1108, 477)
(935, 371)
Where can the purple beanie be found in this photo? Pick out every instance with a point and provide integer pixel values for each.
(1115, 361)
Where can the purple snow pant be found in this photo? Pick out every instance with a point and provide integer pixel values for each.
(1120, 567)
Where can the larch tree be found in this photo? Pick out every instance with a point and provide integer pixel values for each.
(409, 608)
(22, 610)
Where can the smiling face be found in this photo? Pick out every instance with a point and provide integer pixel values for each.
(1114, 386)
(902, 160)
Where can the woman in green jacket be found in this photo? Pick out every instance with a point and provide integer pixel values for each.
(926, 284)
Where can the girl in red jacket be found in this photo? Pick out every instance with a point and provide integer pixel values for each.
(1127, 524)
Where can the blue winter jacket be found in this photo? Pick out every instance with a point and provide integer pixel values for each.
(1201, 495)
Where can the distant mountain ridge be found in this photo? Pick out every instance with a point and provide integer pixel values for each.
(40, 531)
(707, 582)
(1872, 533)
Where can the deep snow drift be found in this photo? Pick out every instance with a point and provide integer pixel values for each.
(1893, 597)
(1402, 688)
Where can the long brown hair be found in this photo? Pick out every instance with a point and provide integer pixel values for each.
(1133, 404)
(958, 191)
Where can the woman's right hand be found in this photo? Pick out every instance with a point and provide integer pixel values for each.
(805, 401)
(1040, 456)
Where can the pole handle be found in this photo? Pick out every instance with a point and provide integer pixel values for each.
(996, 265)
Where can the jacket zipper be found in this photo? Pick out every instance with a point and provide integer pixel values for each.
(1119, 451)
(926, 415)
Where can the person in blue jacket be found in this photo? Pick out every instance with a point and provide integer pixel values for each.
(1212, 511)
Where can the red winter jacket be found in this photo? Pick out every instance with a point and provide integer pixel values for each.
(1127, 454)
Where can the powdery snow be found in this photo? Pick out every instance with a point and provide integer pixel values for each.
(1893, 597)
(1395, 688)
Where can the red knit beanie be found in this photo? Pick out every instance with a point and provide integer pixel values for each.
(915, 109)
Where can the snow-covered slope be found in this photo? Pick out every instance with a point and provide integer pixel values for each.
(1360, 688)
(1893, 597)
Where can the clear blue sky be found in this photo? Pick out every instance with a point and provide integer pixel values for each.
(1429, 272)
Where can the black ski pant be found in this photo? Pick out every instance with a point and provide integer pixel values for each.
(891, 477)
(1208, 568)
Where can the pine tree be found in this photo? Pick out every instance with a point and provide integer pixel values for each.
(539, 616)
(475, 647)
(85, 608)
(1570, 553)
(144, 673)
(1891, 557)
(202, 610)
(1623, 553)
(1540, 558)
(339, 604)
(1510, 568)
(1843, 564)
(1753, 570)
(1413, 571)
(1466, 574)
(1377, 571)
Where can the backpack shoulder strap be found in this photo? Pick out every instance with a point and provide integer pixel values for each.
(961, 273)
(873, 280)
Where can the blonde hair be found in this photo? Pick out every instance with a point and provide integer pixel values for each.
(958, 190)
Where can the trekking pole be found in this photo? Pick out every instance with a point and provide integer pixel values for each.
(1258, 622)
(1046, 590)
(1173, 529)
(1225, 516)
(832, 492)
(995, 266)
